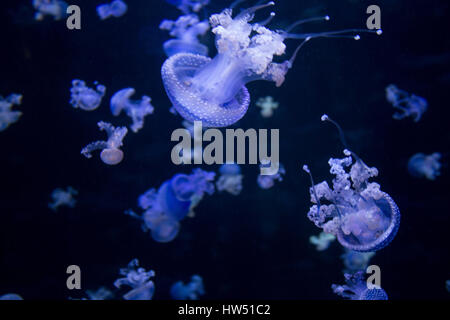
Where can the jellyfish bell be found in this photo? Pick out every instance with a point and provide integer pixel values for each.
(166, 230)
(111, 156)
(182, 187)
(174, 46)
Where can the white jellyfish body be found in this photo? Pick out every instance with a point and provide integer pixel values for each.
(55, 8)
(323, 241)
(116, 9)
(111, 153)
(8, 117)
(267, 105)
(84, 97)
(268, 181)
(409, 105)
(138, 279)
(136, 110)
(188, 291)
(61, 197)
(230, 179)
(428, 166)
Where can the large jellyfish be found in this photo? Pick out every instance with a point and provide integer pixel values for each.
(7, 116)
(55, 8)
(116, 9)
(358, 213)
(84, 97)
(188, 6)
(136, 110)
(356, 288)
(268, 181)
(230, 179)
(354, 260)
(323, 241)
(267, 105)
(111, 153)
(421, 165)
(188, 291)
(213, 90)
(138, 279)
(61, 197)
(409, 105)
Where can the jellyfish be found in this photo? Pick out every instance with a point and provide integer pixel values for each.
(11, 296)
(55, 8)
(267, 105)
(356, 288)
(447, 285)
(409, 105)
(138, 279)
(354, 260)
(323, 241)
(213, 90)
(421, 165)
(188, 6)
(101, 293)
(8, 117)
(61, 197)
(136, 110)
(268, 181)
(230, 179)
(111, 154)
(357, 212)
(189, 291)
(186, 29)
(84, 97)
(116, 9)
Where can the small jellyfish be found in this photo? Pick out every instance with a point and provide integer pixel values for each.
(354, 260)
(230, 179)
(7, 116)
(116, 9)
(186, 29)
(409, 105)
(323, 241)
(62, 197)
(447, 285)
(267, 105)
(55, 8)
(356, 288)
(84, 97)
(136, 110)
(188, 6)
(138, 279)
(101, 293)
(268, 181)
(11, 296)
(421, 165)
(189, 291)
(111, 154)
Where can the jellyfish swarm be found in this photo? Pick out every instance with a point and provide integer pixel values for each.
(136, 110)
(267, 105)
(323, 241)
(7, 116)
(356, 288)
(186, 29)
(189, 5)
(421, 165)
(117, 8)
(55, 8)
(84, 97)
(354, 260)
(111, 154)
(408, 104)
(230, 179)
(138, 279)
(189, 291)
(268, 181)
(62, 197)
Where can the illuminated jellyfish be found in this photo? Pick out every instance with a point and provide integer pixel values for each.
(189, 5)
(55, 8)
(7, 116)
(213, 90)
(358, 213)
(11, 296)
(409, 105)
(111, 154)
(354, 260)
(230, 179)
(61, 197)
(421, 165)
(323, 241)
(267, 105)
(356, 288)
(189, 291)
(447, 285)
(101, 293)
(84, 97)
(138, 279)
(136, 110)
(116, 9)
(268, 181)
(186, 29)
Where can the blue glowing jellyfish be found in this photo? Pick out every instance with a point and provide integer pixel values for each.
(55, 8)
(323, 241)
(354, 260)
(136, 110)
(61, 197)
(268, 181)
(188, 6)
(421, 165)
(188, 291)
(11, 296)
(84, 97)
(267, 105)
(101, 293)
(356, 288)
(230, 179)
(116, 9)
(409, 105)
(138, 279)
(8, 117)
(111, 154)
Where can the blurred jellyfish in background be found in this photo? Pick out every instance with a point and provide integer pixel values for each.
(356, 288)
(138, 279)
(116, 9)
(11, 296)
(61, 197)
(101, 293)
(55, 8)
(409, 105)
(267, 105)
(447, 285)
(136, 110)
(111, 154)
(268, 181)
(188, 291)
(354, 260)
(187, 6)
(323, 241)
(84, 97)
(7, 116)
(421, 165)
(230, 179)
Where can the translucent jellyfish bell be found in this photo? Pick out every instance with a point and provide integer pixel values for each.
(188, 291)
(230, 179)
(138, 279)
(61, 197)
(409, 105)
(267, 105)
(188, 6)
(55, 8)
(356, 288)
(323, 241)
(354, 260)
(8, 117)
(84, 97)
(116, 9)
(421, 165)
